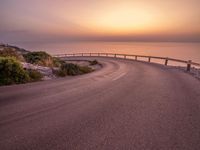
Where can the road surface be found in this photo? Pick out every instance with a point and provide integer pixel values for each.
(126, 105)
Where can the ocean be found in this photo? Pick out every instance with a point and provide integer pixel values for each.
(184, 51)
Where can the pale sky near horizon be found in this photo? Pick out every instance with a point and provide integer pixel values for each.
(105, 20)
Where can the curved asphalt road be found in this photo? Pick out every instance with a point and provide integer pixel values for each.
(126, 105)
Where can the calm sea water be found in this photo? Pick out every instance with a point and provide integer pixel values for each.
(185, 51)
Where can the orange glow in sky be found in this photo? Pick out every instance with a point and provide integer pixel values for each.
(88, 19)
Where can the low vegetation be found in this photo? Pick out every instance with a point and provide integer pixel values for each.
(14, 48)
(85, 69)
(34, 75)
(58, 62)
(94, 62)
(10, 52)
(12, 72)
(72, 70)
(40, 58)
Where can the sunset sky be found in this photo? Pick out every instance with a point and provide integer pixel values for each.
(104, 20)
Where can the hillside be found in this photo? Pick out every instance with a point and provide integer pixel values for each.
(18, 65)
(14, 48)
(37, 58)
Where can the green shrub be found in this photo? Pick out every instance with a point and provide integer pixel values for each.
(34, 75)
(57, 62)
(12, 72)
(60, 73)
(85, 69)
(94, 62)
(9, 52)
(39, 58)
(43, 59)
(72, 70)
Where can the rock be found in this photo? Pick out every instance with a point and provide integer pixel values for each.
(45, 71)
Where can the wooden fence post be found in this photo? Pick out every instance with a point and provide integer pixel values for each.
(124, 56)
(149, 59)
(135, 57)
(189, 65)
(115, 56)
(166, 61)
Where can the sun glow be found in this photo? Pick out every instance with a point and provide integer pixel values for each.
(126, 19)
(85, 20)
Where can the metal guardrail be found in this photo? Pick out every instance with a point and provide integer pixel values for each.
(188, 63)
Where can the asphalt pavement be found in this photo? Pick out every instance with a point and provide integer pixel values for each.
(126, 105)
